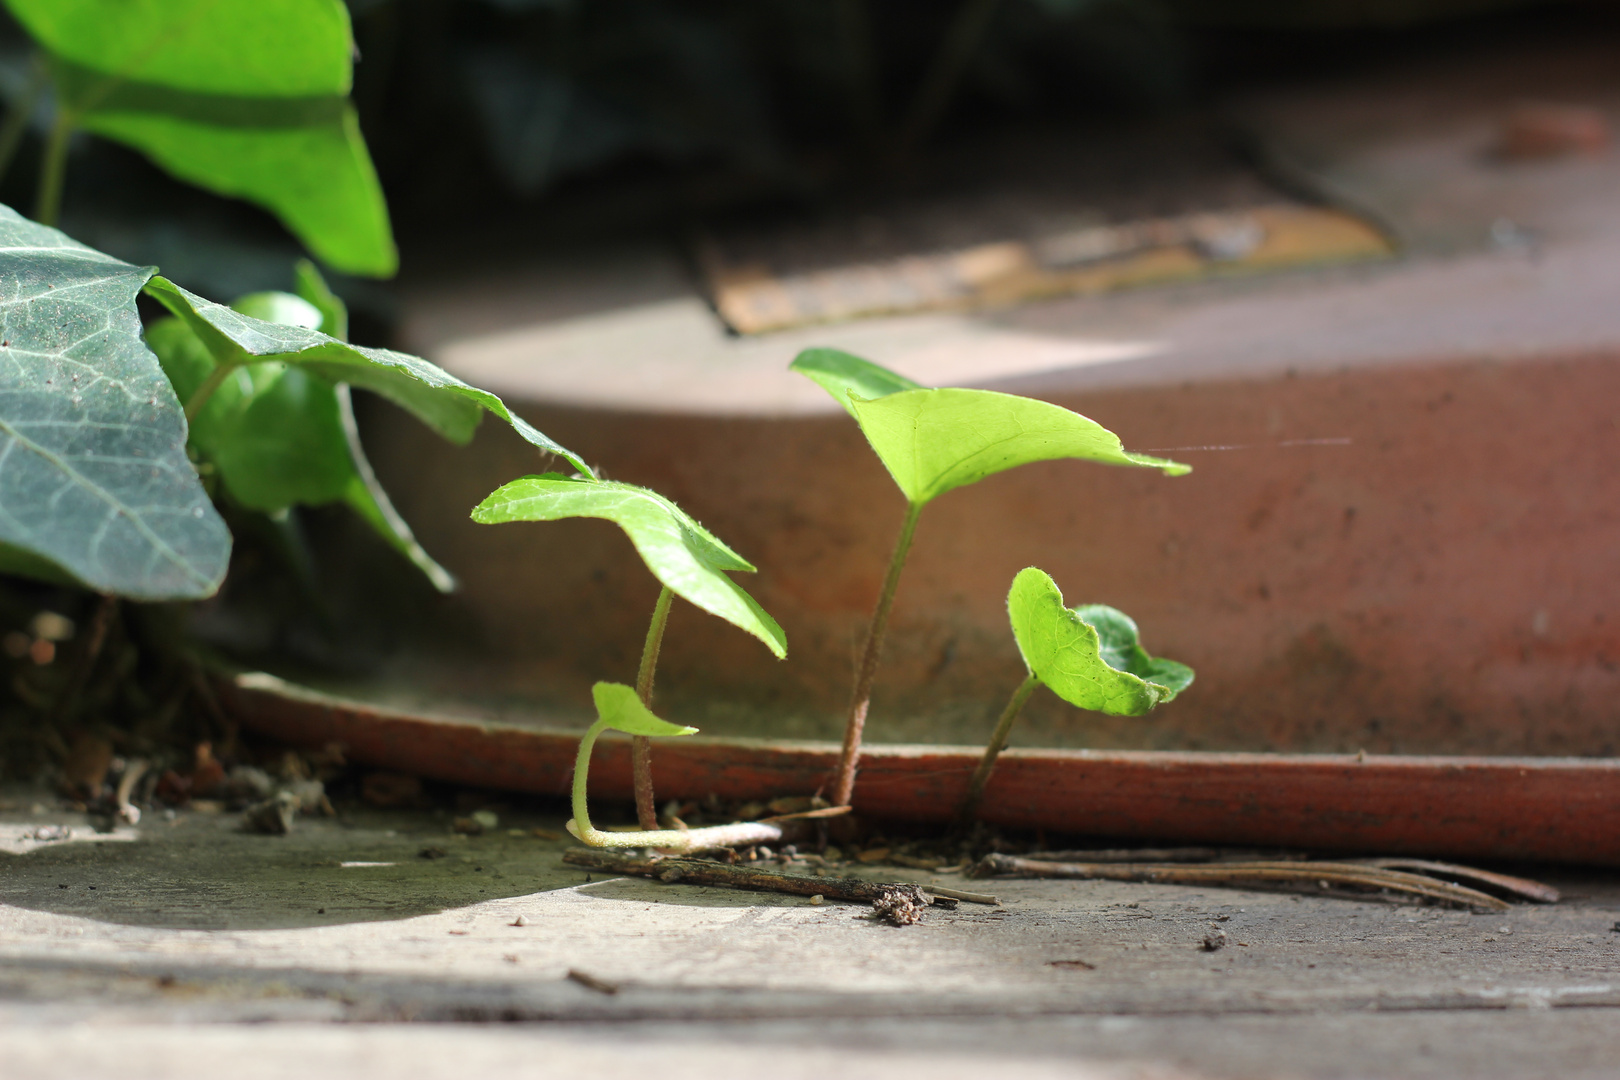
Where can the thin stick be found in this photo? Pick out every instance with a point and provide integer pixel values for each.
(199, 397)
(998, 743)
(1245, 874)
(17, 120)
(844, 787)
(911, 898)
(641, 745)
(962, 894)
(53, 169)
(962, 39)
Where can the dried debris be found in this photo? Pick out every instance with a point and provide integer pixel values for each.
(902, 903)
(274, 816)
(1367, 880)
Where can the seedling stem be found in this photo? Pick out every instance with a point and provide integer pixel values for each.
(844, 788)
(998, 743)
(641, 745)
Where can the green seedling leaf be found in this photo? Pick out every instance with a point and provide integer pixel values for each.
(680, 553)
(1089, 656)
(841, 374)
(94, 477)
(433, 395)
(933, 441)
(248, 99)
(280, 436)
(618, 707)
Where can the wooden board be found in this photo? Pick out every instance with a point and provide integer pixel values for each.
(1541, 809)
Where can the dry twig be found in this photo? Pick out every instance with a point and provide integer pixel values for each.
(901, 903)
(1246, 874)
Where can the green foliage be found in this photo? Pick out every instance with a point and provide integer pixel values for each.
(1090, 656)
(248, 99)
(933, 441)
(680, 553)
(96, 485)
(94, 478)
(279, 436)
(844, 375)
(618, 707)
(434, 396)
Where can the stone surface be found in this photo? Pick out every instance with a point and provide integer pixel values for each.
(201, 950)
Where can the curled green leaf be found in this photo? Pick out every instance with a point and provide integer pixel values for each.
(680, 553)
(279, 436)
(433, 395)
(1090, 656)
(618, 707)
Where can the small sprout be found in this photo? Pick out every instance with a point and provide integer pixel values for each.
(1090, 656)
(618, 708)
(686, 558)
(934, 441)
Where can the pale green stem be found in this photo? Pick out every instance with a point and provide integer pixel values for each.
(750, 832)
(16, 125)
(641, 745)
(53, 169)
(998, 743)
(866, 675)
(199, 397)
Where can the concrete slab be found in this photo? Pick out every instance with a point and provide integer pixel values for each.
(167, 946)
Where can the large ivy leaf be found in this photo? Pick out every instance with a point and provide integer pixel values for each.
(680, 553)
(1090, 656)
(436, 397)
(933, 441)
(94, 476)
(249, 99)
(279, 436)
(618, 707)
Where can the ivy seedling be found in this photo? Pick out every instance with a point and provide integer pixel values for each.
(1090, 656)
(620, 708)
(935, 441)
(687, 559)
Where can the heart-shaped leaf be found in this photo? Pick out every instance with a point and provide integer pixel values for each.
(279, 436)
(841, 373)
(680, 553)
(1089, 656)
(618, 707)
(933, 441)
(248, 99)
(436, 397)
(94, 476)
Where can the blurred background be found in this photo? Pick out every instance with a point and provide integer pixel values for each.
(1319, 233)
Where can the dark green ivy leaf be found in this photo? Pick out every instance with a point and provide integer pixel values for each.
(94, 477)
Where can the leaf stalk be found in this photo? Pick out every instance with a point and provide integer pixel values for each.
(641, 745)
(998, 743)
(53, 169)
(205, 390)
(871, 654)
